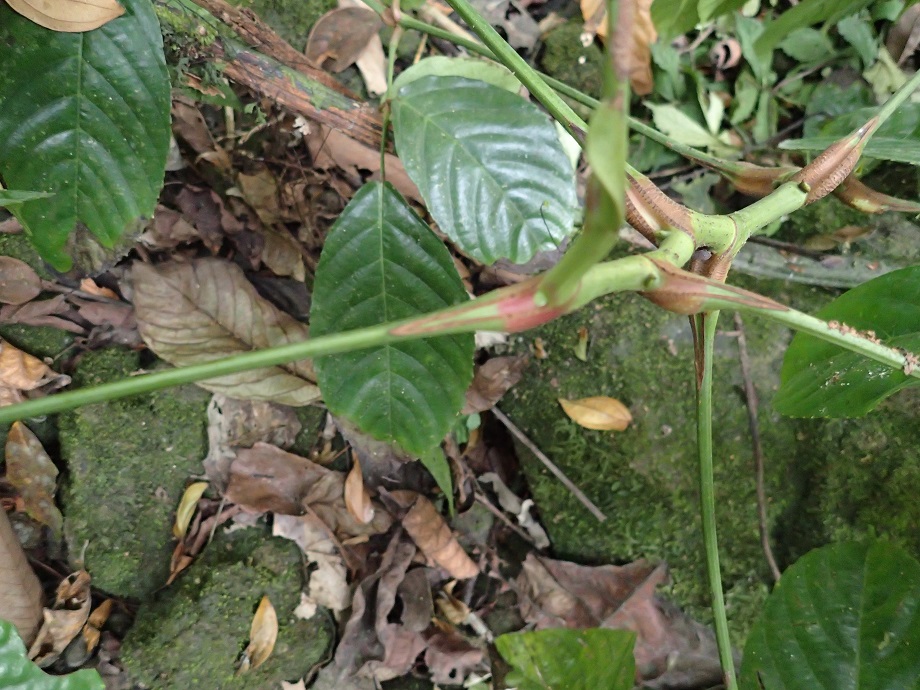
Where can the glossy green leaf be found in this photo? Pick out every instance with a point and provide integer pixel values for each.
(381, 263)
(85, 116)
(17, 672)
(843, 616)
(470, 68)
(823, 380)
(13, 197)
(489, 165)
(437, 464)
(564, 659)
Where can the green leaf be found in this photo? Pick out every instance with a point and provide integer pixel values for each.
(86, 116)
(17, 672)
(805, 14)
(843, 616)
(807, 45)
(823, 380)
(489, 165)
(14, 197)
(675, 18)
(470, 68)
(564, 659)
(675, 123)
(381, 263)
(859, 34)
(437, 464)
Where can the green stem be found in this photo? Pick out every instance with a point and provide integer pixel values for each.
(705, 330)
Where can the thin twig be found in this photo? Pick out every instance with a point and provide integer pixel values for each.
(477, 494)
(550, 465)
(750, 394)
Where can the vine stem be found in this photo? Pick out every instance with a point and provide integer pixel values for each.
(704, 336)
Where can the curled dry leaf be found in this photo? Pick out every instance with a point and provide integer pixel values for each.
(69, 16)
(599, 412)
(643, 36)
(262, 637)
(33, 475)
(341, 35)
(189, 313)
(187, 505)
(357, 499)
(18, 282)
(433, 536)
(64, 621)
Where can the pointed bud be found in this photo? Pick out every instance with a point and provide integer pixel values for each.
(824, 173)
(856, 195)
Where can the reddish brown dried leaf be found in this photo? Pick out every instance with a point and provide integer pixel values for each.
(669, 645)
(18, 282)
(64, 621)
(433, 536)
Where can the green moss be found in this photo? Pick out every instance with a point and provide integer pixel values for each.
(128, 461)
(821, 218)
(193, 634)
(19, 247)
(566, 58)
(311, 420)
(292, 19)
(825, 480)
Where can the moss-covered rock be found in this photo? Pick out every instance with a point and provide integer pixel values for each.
(192, 635)
(566, 58)
(128, 461)
(825, 479)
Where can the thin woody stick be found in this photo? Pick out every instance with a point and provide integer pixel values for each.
(550, 465)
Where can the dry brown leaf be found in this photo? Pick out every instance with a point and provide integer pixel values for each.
(433, 536)
(32, 473)
(189, 313)
(189, 125)
(671, 649)
(341, 35)
(904, 35)
(22, 371)
(206, 211)
(69, 16)
(260, 191)
(54, 312)
(262, 637)
(599, 412)
(19, 283)
(450, 658)
(241, 424)
(282, 253)
(491, 381)
(64, 621)
(643, 35)
(328, 585)
(167, 230)
(187, 505)
(266, 478)
(357, 499)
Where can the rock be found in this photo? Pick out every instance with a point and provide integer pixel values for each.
(825, 479)
(193, 633)
(129, 461)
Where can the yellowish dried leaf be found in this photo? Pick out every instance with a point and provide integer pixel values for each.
(600, 412)
(90, 286)
(262, 637)
(357, 499)
(68, 15)
(64, 621)
(186, 508)
(32, 473)
(21, 371)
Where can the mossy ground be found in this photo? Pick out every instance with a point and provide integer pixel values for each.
(825, 479)
(129, 461)
(193, 633)
(292, 19)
